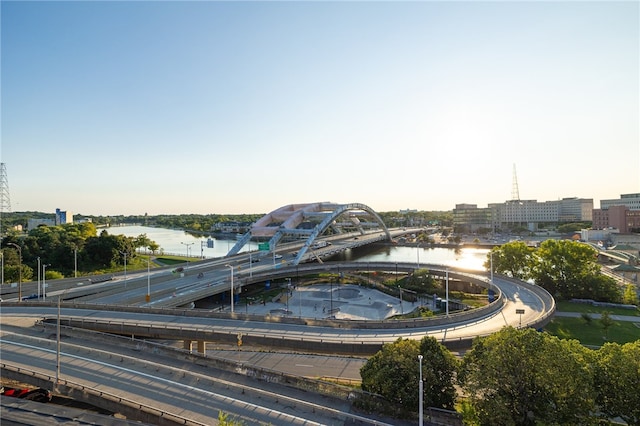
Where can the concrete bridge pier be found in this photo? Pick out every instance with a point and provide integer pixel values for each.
(201, 346)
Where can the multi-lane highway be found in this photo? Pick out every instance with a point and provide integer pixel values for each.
(166, 388)
(195, 396)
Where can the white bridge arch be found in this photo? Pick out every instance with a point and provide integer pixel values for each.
(309, 221)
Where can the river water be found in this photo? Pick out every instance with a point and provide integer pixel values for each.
(181, 243)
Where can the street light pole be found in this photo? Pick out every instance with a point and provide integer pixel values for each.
(232, 295)
(491, 266)
(288, 290)
(447, 291)
(418, 254)
(75, 263)
(19, 270)
(125, 269)
(44, 281)
(57, 379)
(148, 297)
(420, 392)
(58, 347)
(38, 277)
(331, 309)
(187, 244)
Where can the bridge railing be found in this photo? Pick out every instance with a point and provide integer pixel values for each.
(99, 398)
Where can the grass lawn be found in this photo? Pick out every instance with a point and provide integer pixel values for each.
(593, 334)
(586, 308)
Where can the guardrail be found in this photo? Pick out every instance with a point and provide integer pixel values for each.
(151, 415)
(133, 328)
(108, 401)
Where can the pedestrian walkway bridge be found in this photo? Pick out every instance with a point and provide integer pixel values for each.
(309, 221)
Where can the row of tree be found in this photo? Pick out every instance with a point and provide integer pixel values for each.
(513, 377)
(65, 249)
(205, 223)
(566, 269)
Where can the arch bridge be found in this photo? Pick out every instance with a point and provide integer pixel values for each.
(308, 222)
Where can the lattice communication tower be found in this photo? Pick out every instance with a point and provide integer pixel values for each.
(5, 200)
(515, 193)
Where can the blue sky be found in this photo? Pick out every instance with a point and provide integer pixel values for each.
(204, 107)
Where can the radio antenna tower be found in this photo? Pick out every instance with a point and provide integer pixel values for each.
(515, 193)
(5, 201)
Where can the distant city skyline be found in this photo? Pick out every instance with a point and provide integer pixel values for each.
(113, 108)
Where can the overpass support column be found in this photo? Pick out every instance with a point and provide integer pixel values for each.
(202, 347)
(187, 345)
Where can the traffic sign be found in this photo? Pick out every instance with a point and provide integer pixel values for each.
(520, 311)
(263, 246)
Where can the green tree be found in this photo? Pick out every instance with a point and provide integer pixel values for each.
(524, 377)
(617, 381)
(513, 259)
(391, 371)
(142, 241)
(57, 245)
(438, 374)
(153, 247)
(108, 251)
(606, 321)
(630, 296)
(599, 287)
(562, 267)
(14, 268)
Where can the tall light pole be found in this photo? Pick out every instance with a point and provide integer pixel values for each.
(288, 290)
(331, 309)
(124, 253)
(148, 297)
(187, 244)
(19, 270)
(2, 256)
(58, 341)
(58, 347)
(418, 254)
(232, 295)
(447, 291)
(44, 281)
(39, 277)
(75, 263)
(420, 392)
(491, 266)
